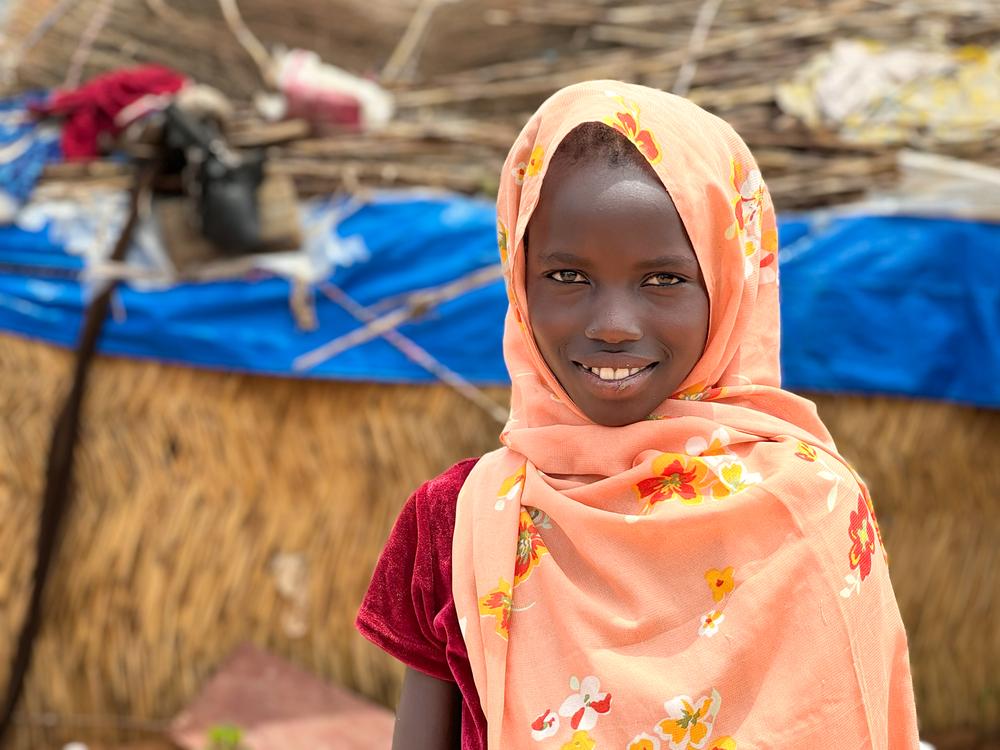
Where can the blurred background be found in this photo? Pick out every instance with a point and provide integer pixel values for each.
(249, 300)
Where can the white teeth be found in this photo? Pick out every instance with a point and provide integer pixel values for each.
(611, 373)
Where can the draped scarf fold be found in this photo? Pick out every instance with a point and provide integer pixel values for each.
(711, 577)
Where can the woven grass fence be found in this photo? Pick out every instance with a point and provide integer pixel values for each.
(192, 487)
(209, 509)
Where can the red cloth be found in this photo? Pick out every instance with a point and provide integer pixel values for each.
(90, 110)
(409, 612)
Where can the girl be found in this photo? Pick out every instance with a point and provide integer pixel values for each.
(667, 552)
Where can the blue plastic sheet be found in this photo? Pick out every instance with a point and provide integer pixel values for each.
(896, 305)
(25, 149)
(248, 325)
(901, 306)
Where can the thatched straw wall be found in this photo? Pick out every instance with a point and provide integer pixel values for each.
(189, 483)
(935, 483)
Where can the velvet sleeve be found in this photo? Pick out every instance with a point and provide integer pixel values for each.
(411, 585)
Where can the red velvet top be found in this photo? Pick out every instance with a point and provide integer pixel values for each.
(409, 611)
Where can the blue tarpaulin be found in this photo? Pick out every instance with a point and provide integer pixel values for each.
(897, 305)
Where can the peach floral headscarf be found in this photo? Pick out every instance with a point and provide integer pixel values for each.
(712, 577)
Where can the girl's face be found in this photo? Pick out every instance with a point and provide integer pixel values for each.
(616, 297)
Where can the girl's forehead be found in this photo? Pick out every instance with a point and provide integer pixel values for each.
(607, 203)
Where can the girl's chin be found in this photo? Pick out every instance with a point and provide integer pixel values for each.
(615, 413)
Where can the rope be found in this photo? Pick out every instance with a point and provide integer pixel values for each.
(417, 304)
(417, 354)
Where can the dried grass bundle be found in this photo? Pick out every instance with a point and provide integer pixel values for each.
(467, 74)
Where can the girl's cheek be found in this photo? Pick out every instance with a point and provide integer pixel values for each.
(556, 316)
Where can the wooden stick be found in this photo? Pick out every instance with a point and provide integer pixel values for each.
(257, 51)
(402, 56)
(418, 304)
(698, 36)
(417, 354)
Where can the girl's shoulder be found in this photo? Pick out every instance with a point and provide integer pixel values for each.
(440, 494)
(431, 510)
(408, 610)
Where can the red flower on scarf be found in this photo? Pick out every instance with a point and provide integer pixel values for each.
(878, 530)
(674, 479)
(863, 534)
(544, 726)
(530, 548)
(627, 123)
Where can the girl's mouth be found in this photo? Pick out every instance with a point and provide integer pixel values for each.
(612, 373)
(607, 380)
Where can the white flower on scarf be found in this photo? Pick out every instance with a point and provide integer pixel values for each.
(829, 476)
(713, 446)
(584, 706)
(710, 623)
(752, 202)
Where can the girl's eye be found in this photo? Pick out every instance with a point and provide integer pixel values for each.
(568, 277)
(663, 279)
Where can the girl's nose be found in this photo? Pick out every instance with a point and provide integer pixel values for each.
(613, 321)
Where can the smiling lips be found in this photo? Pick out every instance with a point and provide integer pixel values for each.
(610, 373)
(620, 371)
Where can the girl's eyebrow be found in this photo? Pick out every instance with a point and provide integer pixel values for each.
(668, 261)
(559, 257)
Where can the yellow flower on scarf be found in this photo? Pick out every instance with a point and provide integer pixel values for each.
(689, 720)
(805, 451)
(502, 241)
(498, 604)
(535, 162)
(644, 742)
(734, 478)
(720, 582)
(581, 740)
(510, 489)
